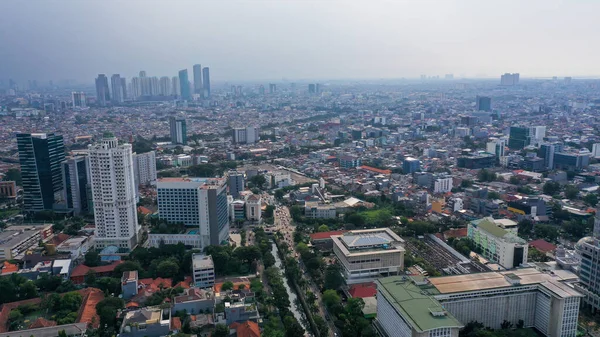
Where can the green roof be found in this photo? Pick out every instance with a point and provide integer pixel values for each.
(415, 305)
(489, 226)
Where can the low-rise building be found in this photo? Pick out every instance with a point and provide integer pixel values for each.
(439, 306)
(76, 247)
(146, 322)
(367, 254)
(203, 271)
(498, 244)
(316, 210)
(194, 301)
(14, 243)
(8, 189)
(129, 284)
(253, 208)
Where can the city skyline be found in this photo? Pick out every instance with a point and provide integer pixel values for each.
(366, 42)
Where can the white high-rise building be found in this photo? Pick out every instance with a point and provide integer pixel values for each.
(116, 88)
(78, 99)
(247, 135)
(144, 168)
(175, 89)
(164, 86)
(442, 185)
(136, 87)
(537, 134)
(596, 150)
(154, 90)
(114, 194)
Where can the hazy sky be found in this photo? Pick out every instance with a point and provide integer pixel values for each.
(301, 39)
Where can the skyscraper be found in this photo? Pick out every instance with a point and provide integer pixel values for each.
(154, 87)
(136, 88)
(197, 79)
(483, 103)
(124, 87)
(76, 178)
(272, 88)
(206, 82)
(184, 85)
(114, 194)
(40, 156)
(78, 99)
(164, 86)
(519, 137)
(311, 89)
(102, 91)
(247, 135)
(144, 84)
(178, 130)
(175, 90)
(117, 90)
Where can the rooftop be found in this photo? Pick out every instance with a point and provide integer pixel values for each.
(422, 311)
(488, 225)
(493, 280)
(368, 240)
(201, 261)
(205, 183)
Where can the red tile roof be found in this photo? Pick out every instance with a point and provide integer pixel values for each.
(363, 290)
(82, 269)
(246, 329)
(41, 322)
(175, 323)
(144, 210)
(87, 312)
(325, 235)
(374, 169)
(9, 268)
(542, 245)
(157, 283)
(455, 233)
(59, 238)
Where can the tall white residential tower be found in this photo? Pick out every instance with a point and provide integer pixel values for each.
(114, 194)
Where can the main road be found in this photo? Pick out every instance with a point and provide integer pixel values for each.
(284, 224)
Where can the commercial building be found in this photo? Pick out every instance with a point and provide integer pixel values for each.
(571, 161)
(197, 69)
(14, 243)
(196, 202)
(78, 99)
(247, 135)
(8, 189)
(483, 103)
(366, 255)
(439, 306)
(236, 183)
(203, 271)
(316, 210)
(547, 151)
(411, 165)
(497, 244)
(184, 85)
(144, 168)
(478, 161)
(519, 137)
(253, 208)
(588, 249)
(178, 130)
(75, 173)
(496, 147)
(102, 91)
(114, 194)
(40, 156)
